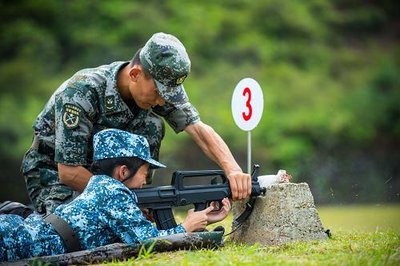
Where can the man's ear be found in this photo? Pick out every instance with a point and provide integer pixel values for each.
(134, 73)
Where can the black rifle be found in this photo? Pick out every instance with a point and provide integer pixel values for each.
(160, 200)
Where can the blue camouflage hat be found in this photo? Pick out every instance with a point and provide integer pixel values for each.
(167, 61)
(115, 143)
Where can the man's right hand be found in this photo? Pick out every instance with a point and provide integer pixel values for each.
(218, 215)
(196, 221)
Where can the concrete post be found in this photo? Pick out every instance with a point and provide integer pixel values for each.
(286, 213)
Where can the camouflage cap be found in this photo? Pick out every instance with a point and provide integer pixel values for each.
(167, 61)
(116, 143)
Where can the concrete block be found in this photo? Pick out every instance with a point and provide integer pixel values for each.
(285, 214)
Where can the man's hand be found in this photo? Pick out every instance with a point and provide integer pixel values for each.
(196, 221)
(217, 150)
(240, 184)
(216, 214)
(148, 215)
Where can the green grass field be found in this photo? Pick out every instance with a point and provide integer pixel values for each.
(368, 218)
(361, 235)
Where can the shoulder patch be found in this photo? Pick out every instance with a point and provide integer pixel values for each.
(71, 115)
(110, 103)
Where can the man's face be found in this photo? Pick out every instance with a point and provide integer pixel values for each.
(144, 92)
(139, 179)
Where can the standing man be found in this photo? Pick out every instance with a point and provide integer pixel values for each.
(131, 96)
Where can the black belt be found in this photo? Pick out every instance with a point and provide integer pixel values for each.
(65, 231)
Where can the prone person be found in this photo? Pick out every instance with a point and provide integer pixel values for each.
(132, 96)
(105, 212)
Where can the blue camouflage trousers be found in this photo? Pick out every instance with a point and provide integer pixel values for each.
(27, 238)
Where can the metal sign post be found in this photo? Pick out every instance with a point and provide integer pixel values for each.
(247, 108)
(249, 152)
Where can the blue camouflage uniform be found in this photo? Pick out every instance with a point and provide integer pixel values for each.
(106, 212)
(85, 104)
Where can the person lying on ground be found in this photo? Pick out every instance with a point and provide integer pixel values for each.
(105, 212)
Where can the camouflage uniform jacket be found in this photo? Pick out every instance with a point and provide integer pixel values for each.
(85, 104)
(106, 212)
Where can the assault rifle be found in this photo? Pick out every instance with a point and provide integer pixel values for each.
(160, 200)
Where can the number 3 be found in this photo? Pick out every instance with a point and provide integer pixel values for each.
(247, 116)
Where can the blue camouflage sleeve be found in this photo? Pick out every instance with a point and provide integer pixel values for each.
(128, 222)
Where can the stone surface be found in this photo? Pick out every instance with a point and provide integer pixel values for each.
(285, 214)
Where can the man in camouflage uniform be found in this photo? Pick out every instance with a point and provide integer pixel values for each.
(106, 212)
(132, 96)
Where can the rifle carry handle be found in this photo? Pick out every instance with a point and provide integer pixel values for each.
(178, 176)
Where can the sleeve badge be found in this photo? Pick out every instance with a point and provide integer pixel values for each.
(71, 116)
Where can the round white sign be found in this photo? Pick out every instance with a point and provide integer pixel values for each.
(247, 104)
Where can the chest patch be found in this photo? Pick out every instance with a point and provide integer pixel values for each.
(71, 115)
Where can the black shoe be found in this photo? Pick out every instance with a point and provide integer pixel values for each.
(219, 228)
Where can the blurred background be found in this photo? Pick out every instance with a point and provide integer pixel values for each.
(329, 70)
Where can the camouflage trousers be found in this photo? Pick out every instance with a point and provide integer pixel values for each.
(45, 190)
(41, 176)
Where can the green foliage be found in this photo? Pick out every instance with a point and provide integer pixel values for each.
(328, 70)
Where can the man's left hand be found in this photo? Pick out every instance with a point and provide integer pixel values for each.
(240, 184)
(148, 215)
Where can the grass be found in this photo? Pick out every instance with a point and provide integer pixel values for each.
(361, 235)
(361, 217)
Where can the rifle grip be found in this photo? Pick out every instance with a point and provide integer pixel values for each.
(200, 206)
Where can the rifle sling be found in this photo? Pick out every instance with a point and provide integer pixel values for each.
(65, 231)
(246, 213)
